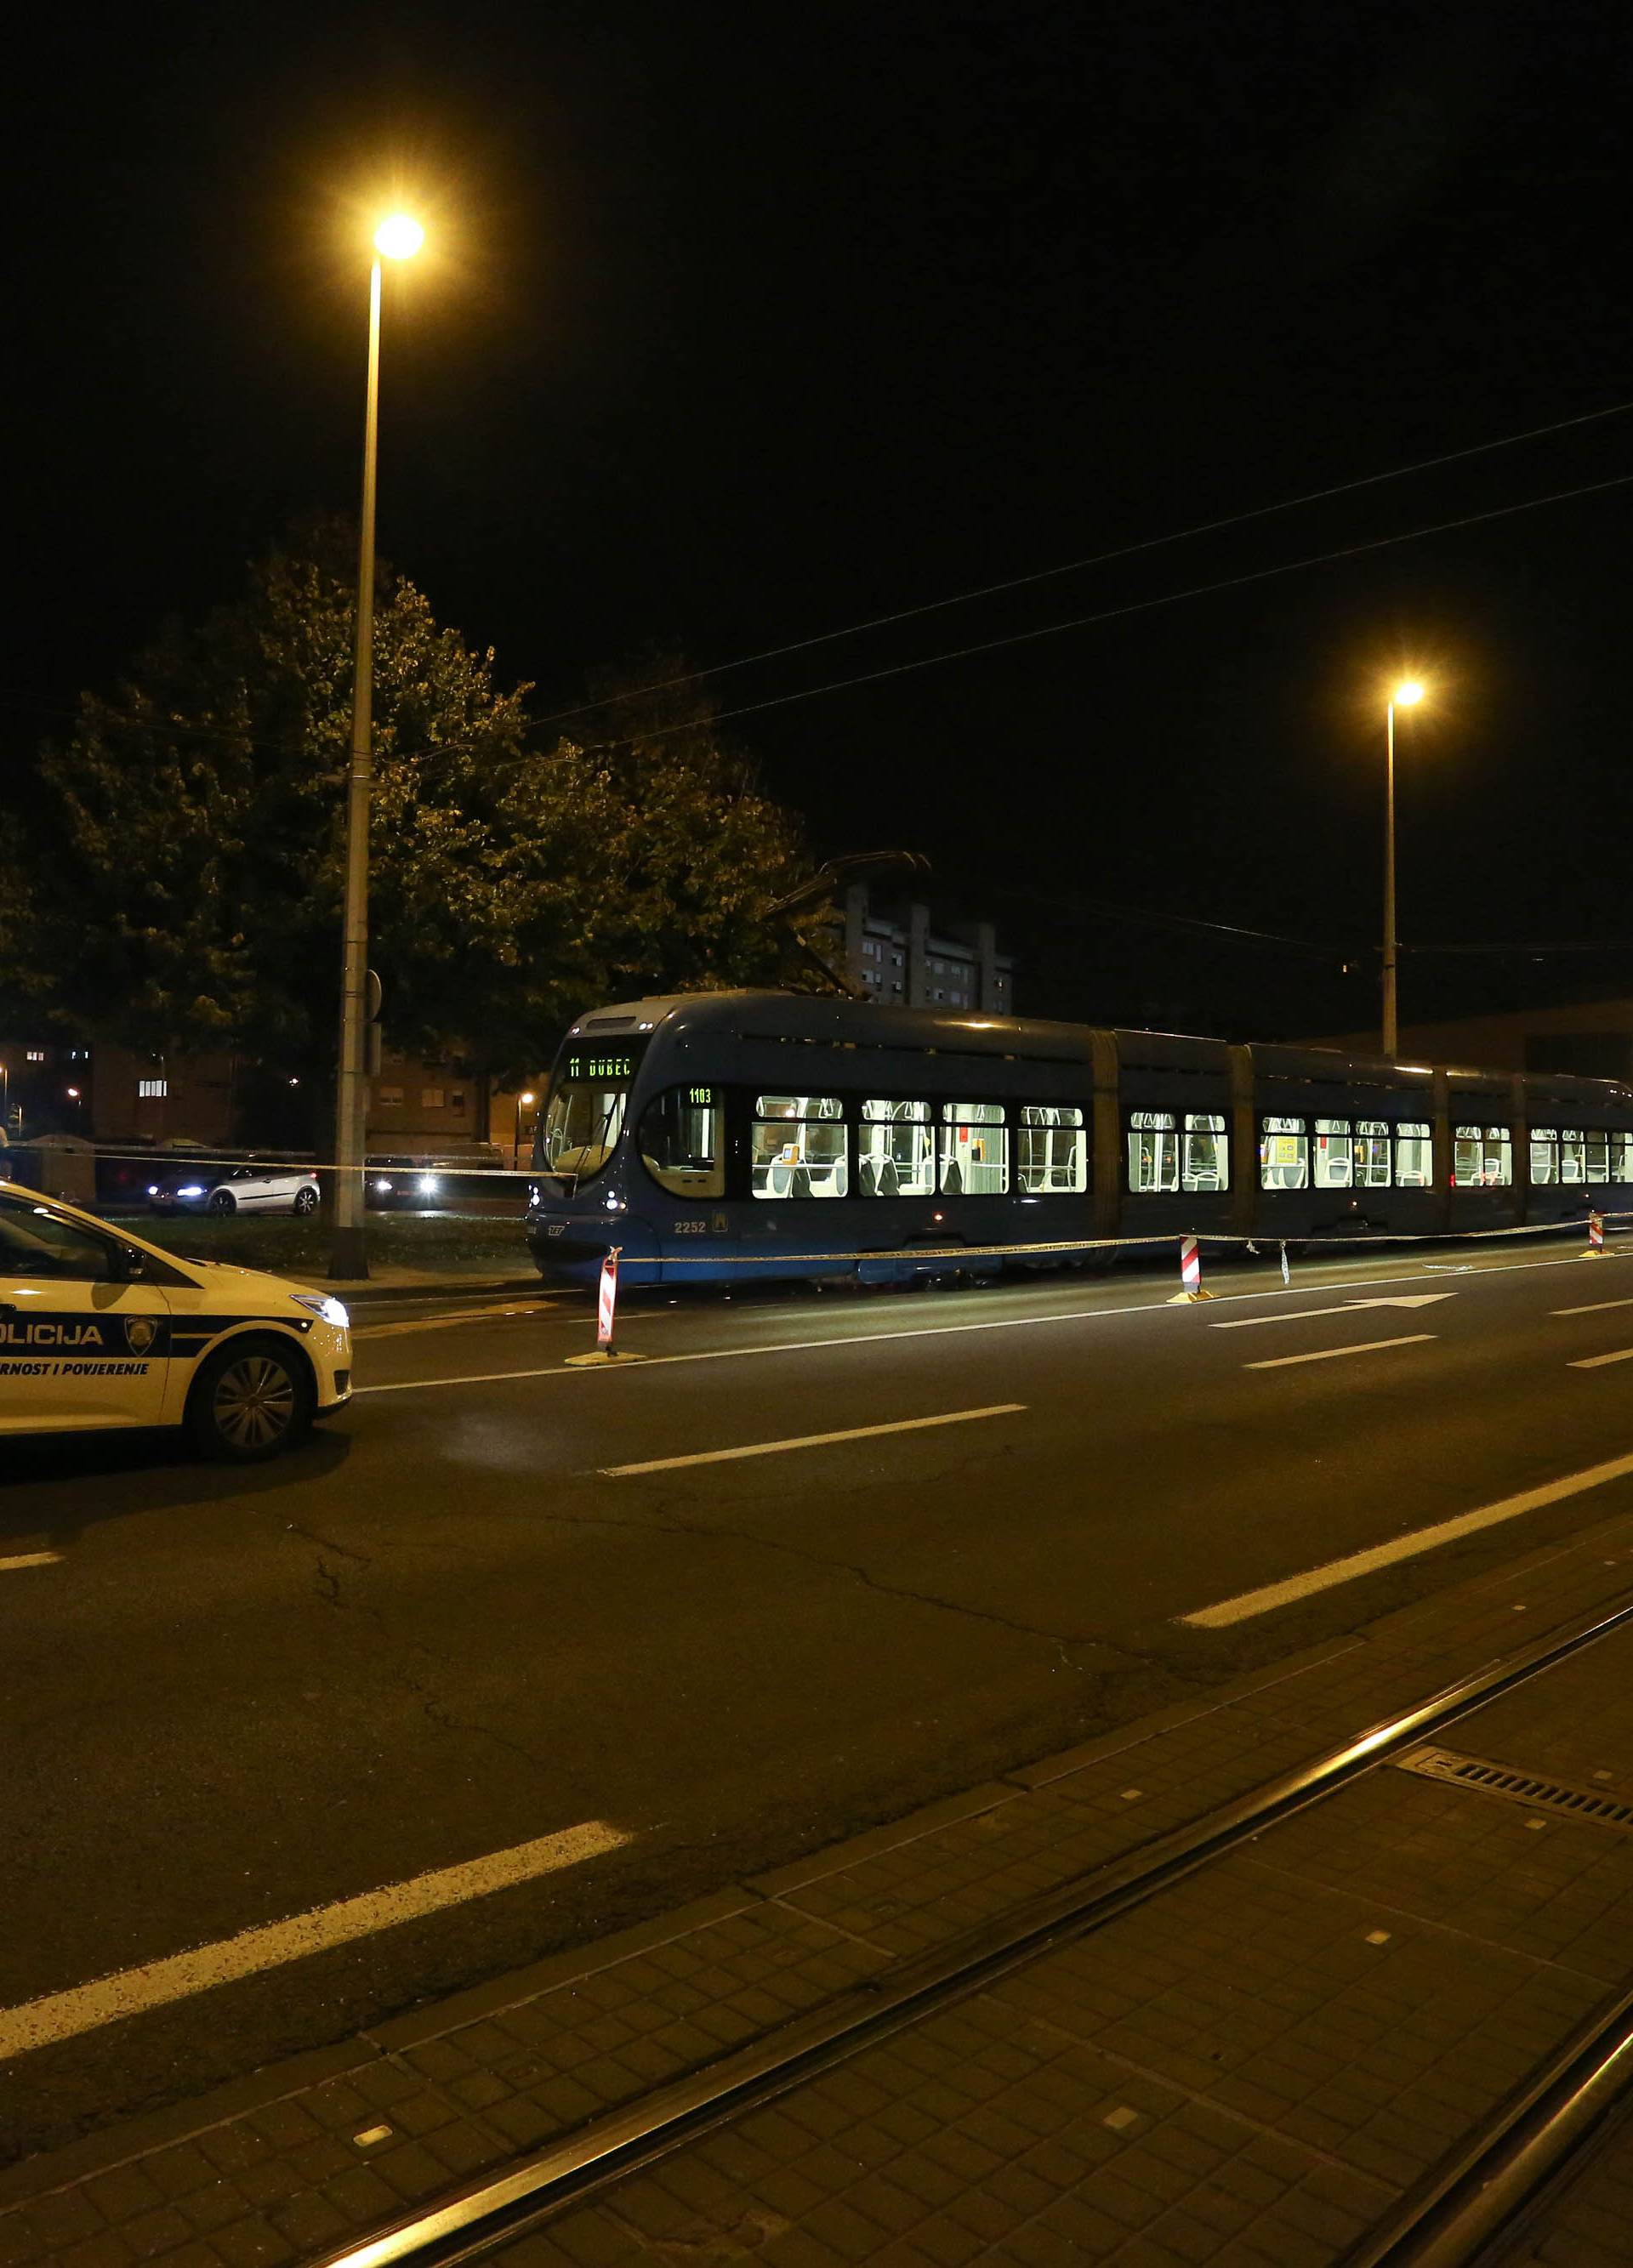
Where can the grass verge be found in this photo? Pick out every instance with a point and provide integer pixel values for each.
(459, 1245)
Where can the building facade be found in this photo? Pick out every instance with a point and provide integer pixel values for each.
(906, 964)
(117, 1096)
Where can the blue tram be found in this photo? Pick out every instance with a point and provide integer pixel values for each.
(725, 1136)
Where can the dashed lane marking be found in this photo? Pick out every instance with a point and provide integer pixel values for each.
(1598, 1361)
(812, 1441)
(1344, 1307)
(1332, 1571)
(1594, 1308)
(1333, 1354)
(933, 1332)
(31, 1559)
(461, 1315)
(134, 1992)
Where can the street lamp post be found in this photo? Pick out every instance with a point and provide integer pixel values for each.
(396, 239)
(1405, 695)
(523, 1102)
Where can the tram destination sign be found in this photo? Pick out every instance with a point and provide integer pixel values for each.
(612, 1065)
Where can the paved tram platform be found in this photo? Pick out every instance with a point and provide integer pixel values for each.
(1249, 2069)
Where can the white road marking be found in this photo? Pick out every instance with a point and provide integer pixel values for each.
(133, 1992)
(1262, 1601)
(1332, 1354)
(463, 1315)
(1598, 1361)
(813, 1441)
(1344, 1307)
(1595, 1308)
(938, 1330)
(31, 1559)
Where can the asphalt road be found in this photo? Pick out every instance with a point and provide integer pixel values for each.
(452, 1626)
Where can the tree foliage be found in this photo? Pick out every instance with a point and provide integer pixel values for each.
(184, 889)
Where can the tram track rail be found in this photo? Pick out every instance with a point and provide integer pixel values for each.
(1449, 2219)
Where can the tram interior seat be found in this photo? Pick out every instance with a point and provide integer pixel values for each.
(867, 1177)
(952, 1178)
(889, 1180)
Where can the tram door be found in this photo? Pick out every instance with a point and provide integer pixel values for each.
(683, 1145)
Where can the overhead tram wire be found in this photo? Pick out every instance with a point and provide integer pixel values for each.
(1133, 606)
(25, 704)
(1096, 559)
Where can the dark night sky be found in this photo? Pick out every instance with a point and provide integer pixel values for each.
(748, 324)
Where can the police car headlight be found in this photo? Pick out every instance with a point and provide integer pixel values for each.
(384, 1188)
(319, 1303)
(429, 1185)
(193, 1189)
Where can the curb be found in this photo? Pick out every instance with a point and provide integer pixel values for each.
(363, 1292)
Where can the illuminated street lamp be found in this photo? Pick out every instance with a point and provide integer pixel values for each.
(398, 237)
(523, 1102)
(1406, 695)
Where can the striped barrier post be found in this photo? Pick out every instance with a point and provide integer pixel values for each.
(1596, 1237)
(1190, 1274)
(606, 1318)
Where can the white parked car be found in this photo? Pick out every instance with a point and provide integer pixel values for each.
(223, 1188)
(98, 1330)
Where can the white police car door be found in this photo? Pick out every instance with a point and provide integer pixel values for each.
(78, 1346)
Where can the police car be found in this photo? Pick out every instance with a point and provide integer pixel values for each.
(99, 1329)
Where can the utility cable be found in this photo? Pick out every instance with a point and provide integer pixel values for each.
(1096, 559)
(1133, 606)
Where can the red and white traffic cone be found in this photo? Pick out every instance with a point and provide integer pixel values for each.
(1190, 1275)
(1596, 1237)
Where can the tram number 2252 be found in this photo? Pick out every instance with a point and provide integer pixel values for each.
(698, 1228)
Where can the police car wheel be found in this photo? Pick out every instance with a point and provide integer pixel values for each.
(251, 1399)
(222, 1200)
(306, 1201)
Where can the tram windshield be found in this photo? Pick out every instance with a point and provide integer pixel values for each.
(584, 1116)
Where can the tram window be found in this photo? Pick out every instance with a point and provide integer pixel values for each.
(797, 1148)
(1371, 1154)
(1053, 1158)
(1335, 1159)
(582, 1123)
(1482, 1158)
(1621, 1157)
(896, 1157)
(680, 1142)
(1153, 1152)
(1415, 1155)
(1597, 1154)
(1544, 1155)
(1206, 1164)
(1572, 1154)
(974, 1150)
(1284, 1155)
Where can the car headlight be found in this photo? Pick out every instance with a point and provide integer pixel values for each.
(153, 1188)
(193, 1189)
(429, 1185)
(319, 1303)
(383, 1188)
